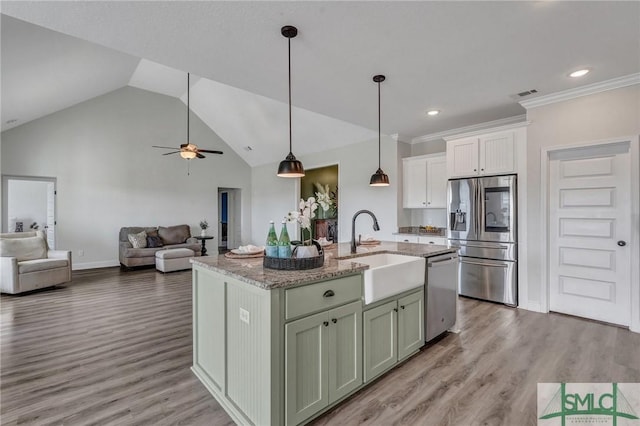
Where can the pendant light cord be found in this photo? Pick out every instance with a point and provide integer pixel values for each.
(290, 137)
(188, 106)
(379, 152)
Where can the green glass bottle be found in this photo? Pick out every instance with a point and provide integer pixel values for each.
(271, 247)
(284, 243)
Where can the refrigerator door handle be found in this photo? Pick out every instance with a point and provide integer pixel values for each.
(495, 265)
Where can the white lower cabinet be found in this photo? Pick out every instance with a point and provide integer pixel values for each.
(441, 241)
(323, 360)
(392, 331)
(405, 238)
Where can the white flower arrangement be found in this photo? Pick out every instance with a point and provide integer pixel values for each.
(306, 212)
(324, 196)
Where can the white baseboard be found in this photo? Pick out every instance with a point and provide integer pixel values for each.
(533, 307)
(93, 265)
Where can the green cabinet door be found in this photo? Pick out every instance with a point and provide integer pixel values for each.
(410, 324)
(345, 350)
(380, 341)
(209, 328)
(306, 366)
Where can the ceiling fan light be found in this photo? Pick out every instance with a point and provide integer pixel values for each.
(379, 178)
(187, 154)
(290, 167)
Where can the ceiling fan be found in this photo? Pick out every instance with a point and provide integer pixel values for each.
(188, 150)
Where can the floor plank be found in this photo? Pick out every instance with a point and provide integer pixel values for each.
(114, 347)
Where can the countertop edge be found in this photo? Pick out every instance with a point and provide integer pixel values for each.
(335, 267)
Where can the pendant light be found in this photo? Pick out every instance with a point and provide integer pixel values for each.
(188, 154)
(290, 167)
(379, 178)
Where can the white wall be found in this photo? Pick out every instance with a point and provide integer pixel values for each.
(27, 202)
(109, 176)
(431, 147)
(273, 197)
(601, 116)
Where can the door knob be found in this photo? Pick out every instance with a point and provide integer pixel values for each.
(622, 243)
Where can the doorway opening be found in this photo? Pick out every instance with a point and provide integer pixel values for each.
(29, 204)
(229, 219)
(322, 184)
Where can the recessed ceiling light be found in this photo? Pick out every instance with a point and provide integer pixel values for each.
(12, 121)
(433, 112)
(579, 73)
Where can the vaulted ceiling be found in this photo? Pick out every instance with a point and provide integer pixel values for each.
(467, 59)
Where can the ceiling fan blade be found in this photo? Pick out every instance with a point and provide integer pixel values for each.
(163, 147)
(169, 153)
(200, 155)
(210, 151)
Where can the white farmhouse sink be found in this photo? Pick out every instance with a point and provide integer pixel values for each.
(390, 274)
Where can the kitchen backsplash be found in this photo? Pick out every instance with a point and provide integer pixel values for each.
(429, 217)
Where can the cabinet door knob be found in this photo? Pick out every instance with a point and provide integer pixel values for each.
(402, 306)
(428, 202)
(326, 323)
(482, 170)
(395, 309)
(622, 243)
(333, 320)
(328, 293)
(475, 170)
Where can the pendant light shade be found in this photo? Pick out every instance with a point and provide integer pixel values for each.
(379, 178)
(290, 167)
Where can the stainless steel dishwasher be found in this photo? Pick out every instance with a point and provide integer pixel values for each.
(441, 294)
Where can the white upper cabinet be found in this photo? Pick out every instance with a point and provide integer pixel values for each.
(462, 157)
(414, 194)
(491, 154)
(437, 183)
(424, 182)
(497, 154)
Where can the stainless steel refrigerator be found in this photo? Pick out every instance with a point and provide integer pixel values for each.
(482, 223)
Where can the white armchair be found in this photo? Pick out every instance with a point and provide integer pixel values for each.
(26, 263)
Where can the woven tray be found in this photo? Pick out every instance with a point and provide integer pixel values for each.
(294, 263)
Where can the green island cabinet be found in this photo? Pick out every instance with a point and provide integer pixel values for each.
(393, 330)
(286, 355)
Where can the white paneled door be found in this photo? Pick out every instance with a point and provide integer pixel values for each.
(589, 232)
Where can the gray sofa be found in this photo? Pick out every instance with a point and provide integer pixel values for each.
(178, 236)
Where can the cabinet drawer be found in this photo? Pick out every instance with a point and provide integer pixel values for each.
(324, 295)
(441, 241)
(406, 238)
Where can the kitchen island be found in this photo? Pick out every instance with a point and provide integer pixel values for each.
(282, 347)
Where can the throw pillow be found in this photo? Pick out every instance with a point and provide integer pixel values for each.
(138, 240)
(152, 233)
(153, 242)
(174, 234)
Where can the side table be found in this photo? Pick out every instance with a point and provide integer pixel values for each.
(204, 240)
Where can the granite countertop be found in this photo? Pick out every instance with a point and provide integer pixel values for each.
(338, 262)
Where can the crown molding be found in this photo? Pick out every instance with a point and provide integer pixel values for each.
(509, 122)
(565, 95)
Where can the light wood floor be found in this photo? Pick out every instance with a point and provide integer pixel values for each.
(115, 348)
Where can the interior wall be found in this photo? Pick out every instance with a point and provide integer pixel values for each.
(27, 202)
(109, 176)
(601, 116)
(404, 215)
(431, 147)
(273, 197)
